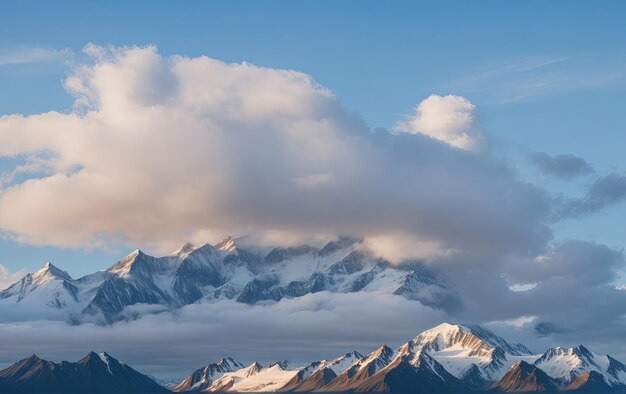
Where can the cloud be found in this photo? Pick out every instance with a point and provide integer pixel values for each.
(534, 77)
(574, 286)
(34, 55)
(561, 166)
(450, 119)
(7, 278)
(604, 192)
(584, 263)
(399, 248)
(305, 329)
(312, 181)
(161, 150)
(544, 329)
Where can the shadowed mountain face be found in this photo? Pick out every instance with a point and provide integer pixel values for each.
(591, 382)
(524, 377)
(94, 373)
(226, 271)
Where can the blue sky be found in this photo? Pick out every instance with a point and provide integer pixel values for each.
(544, 76)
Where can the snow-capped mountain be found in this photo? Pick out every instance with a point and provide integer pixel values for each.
(566, 365)
(447, 358)
(255, 378)
(203, 378)
(49, 286)
(320, 373)
(94, 373)
(211, 273)
(460, 348)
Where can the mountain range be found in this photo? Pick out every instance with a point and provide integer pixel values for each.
(212, 273)
(445, 359)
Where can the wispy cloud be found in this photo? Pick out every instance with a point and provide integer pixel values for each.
(7, 278)
(34, 55)
(533, 77)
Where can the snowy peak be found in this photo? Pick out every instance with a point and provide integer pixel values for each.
(479, 340)
(204, 377)
(228, 244)
(342, 243)
(253, 369)
(446, 336)
(130, 264)
(567, 364)
(49, 286)
(49, 272)
(185, 249)
(282, 365)
(376, 360)
(460, 348)
(229, 363)
(254, 379)
(341, 363)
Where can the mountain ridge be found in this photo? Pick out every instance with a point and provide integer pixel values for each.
(423, 365)
(225, 271)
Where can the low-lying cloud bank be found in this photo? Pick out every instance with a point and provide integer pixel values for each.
(305, 329)
(316, 326)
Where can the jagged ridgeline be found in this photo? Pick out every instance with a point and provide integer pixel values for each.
(445, 359)
(212, 273)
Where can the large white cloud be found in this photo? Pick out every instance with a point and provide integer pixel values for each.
(450, 119)
(160, 150)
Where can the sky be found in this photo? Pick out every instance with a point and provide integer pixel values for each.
(323, 118)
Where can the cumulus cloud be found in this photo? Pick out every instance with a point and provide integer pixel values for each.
(162, 150)
(561, 166)
(450, 119)
(604, 192)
